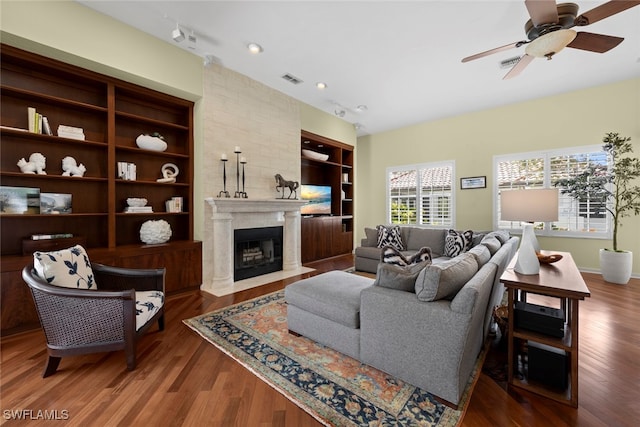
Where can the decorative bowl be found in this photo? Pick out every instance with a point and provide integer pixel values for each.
(152, 143)
(136, 202)
(548, 259)
(314, 155)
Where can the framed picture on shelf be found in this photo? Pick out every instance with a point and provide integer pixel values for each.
(19, 200)
(55, 203)
(473, 182)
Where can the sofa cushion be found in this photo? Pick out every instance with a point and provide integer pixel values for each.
(431, 237)
(482, 254)
(334, 295)
(492, 243)
(390, 236)
(68, 268)
(390, 255)
(457, 242)
(148, 303)
(444, 280)
(402, 278)
(372, 236)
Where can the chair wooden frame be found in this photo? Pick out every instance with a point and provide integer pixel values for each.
(81, 321)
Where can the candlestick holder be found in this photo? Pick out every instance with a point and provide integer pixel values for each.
(238, 193)
(243, 194)
(224, 191)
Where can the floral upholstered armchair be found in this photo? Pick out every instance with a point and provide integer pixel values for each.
(87, 307)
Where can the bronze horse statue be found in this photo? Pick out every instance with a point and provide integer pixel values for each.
(283, 183)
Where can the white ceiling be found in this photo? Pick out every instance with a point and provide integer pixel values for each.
(400, 59)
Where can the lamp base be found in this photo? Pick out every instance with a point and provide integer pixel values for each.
(527, 262)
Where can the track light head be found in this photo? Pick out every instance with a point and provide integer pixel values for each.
(177, 34)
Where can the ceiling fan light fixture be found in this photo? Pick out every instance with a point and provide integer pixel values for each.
(549, 44)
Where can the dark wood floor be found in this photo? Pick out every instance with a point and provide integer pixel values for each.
(183, 381)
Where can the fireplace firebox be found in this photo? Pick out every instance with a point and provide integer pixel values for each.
(258, 251)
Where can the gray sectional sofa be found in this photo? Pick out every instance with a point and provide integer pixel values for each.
(399, 323)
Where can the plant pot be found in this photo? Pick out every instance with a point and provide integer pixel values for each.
(616, 266)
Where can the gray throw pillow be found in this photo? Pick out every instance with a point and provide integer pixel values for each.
(397, 277)
(482, 254)
(492, 243)
(372, 236)
(502, 235)
(444, 280)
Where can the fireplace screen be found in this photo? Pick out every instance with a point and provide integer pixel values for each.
(258, 251)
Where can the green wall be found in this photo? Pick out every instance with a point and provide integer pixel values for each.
(571, 119)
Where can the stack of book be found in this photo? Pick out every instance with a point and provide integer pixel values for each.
(71, 132)
(138, 209)
(51, 236)
(37, 122)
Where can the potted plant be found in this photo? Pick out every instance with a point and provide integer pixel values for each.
(613, 189)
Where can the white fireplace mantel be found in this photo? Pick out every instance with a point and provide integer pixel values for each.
(229, 214)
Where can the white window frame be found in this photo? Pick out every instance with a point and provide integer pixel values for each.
(546, 155)
(418, 167)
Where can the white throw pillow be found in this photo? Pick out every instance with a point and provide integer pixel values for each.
(68, 268)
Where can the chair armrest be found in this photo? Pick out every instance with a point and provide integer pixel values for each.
(119, 278)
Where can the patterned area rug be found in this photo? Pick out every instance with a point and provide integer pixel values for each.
(335, 389)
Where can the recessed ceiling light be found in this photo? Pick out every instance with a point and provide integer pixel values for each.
(254, 48)
(321, 85)
(361, 108)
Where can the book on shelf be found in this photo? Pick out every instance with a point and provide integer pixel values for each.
(138, 209)
(70, 132)
(45, 126)
(51, 236)
(127, 171)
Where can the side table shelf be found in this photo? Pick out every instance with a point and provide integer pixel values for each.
(561, 280)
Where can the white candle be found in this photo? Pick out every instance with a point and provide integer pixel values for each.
(223, 157)
(243, 160)
(237, 150)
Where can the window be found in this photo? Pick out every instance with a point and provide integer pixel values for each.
(579, 218)
(421, 194)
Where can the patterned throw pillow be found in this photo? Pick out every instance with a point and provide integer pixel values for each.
(69, 268)
(390, 236)
(391, 255)
(457, 242)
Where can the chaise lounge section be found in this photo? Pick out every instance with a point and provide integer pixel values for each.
(400, 324)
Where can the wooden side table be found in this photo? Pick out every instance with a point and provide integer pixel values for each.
(560, 280)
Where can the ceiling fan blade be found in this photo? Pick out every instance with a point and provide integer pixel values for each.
(605, 10)
(542, 11)
(492, 51)
(520, 65)
(599, 43)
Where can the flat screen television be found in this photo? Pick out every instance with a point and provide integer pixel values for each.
(318, 199)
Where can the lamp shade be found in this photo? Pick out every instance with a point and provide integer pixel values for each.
(540, 204)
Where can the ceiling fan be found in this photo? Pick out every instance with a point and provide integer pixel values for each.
(549, 31)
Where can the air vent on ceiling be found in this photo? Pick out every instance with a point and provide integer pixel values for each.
(292, 79)
(508, 63)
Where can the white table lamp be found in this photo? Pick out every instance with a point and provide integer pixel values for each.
(540, 204)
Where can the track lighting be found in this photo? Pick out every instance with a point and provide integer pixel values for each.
(177, 34)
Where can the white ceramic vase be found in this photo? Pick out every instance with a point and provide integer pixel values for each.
(616, 266)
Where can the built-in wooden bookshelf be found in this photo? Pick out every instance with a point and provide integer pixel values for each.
(112, 113)
(327, 236)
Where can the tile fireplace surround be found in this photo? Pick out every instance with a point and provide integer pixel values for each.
(231, 214)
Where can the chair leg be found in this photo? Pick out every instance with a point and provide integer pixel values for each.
(131, 360)
(161, 323)
(51, 366)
